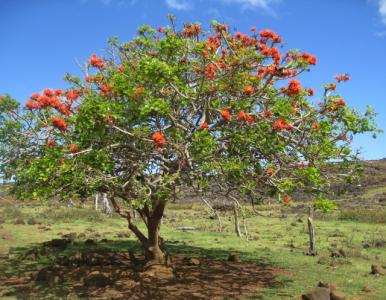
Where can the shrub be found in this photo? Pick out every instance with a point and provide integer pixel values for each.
(364, 215)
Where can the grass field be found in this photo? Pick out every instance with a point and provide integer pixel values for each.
(279, 240)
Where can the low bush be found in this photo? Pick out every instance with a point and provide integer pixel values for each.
(364, 215)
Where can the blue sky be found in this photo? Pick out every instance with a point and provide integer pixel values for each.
(44, 39)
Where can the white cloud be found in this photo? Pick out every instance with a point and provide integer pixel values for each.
(382, 10)
(265, 5)
(179, 4)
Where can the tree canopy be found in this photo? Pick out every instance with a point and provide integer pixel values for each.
(179, 107)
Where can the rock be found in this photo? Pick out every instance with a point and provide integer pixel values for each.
(319, 293)
(342, 252)
(78, 256)
(71, 237)
(328, 285)
(63, 260)
(90, 242)
(45, 250)
(49, 275)
(97, 279)
(58, 243)
(192, 261)
(233, 257)
(123, 234)
(92, 259)
(81, 236)
(336, 295)
(31, 254)
(377, 269)
(184, 228)
(337, 253)
(323, 260)
(379, 243)
(158, 272)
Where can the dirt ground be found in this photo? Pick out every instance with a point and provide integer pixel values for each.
(112, 275)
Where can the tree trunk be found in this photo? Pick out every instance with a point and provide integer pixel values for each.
(154, 252)
(96, 201)
(106, 204)
(311, 232)
(237, 222)
(152, 244)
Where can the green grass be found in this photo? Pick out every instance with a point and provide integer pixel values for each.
(278, 242)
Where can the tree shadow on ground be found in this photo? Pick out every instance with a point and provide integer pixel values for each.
(104, 270)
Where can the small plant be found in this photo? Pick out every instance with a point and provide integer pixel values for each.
(324, 205)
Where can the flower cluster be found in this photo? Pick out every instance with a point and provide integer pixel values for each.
(158, 138)
(344, 77)
(338, 104)
(294, 89)
(281, 124)
(242, 116)
(191, 30)
(51, 98)
(311, 59)
(74, 148)
(59, 123)
(226, 115)
(248, 90)
(96, 61)
(269, 34)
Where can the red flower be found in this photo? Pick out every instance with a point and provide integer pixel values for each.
(311, 91)
(281, 124)
(35, 96)
(58, 92)
(341, 102)
(140, 90)
(210, 71)
(159, 149)
(344, 77)
(72, 96)
(48, 92)
(205, 52)
(309, 58)
(158, 138)
(253, 28)
(97, 61)
(212, 89)
(74, 148)
(269, 171)
(267, 114)
(248, 90)
(51, 143)
(59, 123)
(32, 105)
(250, 119)
(160, 30)
(294, 88)
(241, 116)
(225, 114)
(332, 86)
(204, 125)
(286, 198)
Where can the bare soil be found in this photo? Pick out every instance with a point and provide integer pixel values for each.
(114, 276)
